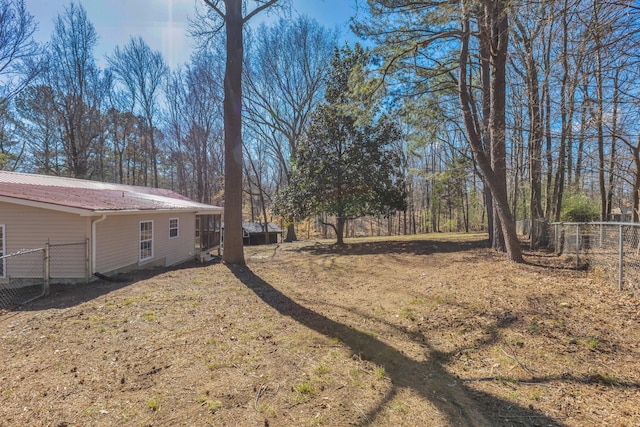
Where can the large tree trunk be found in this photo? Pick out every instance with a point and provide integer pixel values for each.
(492, 180)
(291, 232)
(233, 246)
(499, 33)
(493, 224)
(340, 220)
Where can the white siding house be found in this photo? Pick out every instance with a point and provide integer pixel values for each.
(125, 227)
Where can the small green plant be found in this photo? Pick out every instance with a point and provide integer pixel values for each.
(154, 404)
(533, 327)
(535, 395)
(400, 407)
(149, 316)
(408, 313)
(321, 369)
(593, 343)
(209, 405)
(380, 373)
(517, 343)
(305, 390)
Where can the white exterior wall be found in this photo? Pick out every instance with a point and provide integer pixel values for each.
(118, 241)
(30, 228)
(117, 237)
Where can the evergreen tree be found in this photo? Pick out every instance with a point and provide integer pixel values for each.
(346, 166)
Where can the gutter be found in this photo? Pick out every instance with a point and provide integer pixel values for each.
(93, 242)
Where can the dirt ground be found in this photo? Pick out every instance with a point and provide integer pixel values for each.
(433, 330)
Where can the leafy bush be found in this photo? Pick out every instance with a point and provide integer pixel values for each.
(579, 208)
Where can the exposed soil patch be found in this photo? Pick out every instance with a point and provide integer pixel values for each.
(434, 330)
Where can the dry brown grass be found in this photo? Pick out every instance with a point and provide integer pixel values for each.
(427, 330)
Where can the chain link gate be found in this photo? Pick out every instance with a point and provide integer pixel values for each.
(28, 274)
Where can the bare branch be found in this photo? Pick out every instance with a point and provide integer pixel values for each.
(214, 5)
(257, 10)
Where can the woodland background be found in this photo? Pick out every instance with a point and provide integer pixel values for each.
(571, 134)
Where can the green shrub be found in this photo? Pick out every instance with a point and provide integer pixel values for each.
(579, 208)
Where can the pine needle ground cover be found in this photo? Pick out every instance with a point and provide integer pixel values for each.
(431, 330)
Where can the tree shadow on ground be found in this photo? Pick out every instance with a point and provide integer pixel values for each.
(460, 405)
(416, 247)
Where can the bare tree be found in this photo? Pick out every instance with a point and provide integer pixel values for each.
(142, 71)
(194, 100)
(19, 53)
(79, 89)
(287, 65)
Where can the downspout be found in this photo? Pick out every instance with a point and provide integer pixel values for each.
(93, 242)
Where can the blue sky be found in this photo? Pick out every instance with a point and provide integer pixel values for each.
(163, 23)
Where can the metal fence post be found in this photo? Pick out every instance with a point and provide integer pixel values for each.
(47, 268)
(620, 256)
(577, 245)
(87, 258)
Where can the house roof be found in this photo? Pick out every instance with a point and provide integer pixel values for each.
(258, 227)
(92, 197)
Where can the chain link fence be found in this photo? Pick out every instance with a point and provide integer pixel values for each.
(23, 277)
(27, 274)
(610, 250)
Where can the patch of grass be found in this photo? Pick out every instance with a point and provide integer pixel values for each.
(516, 343)
(408, 313)
(379, 311)
(333, 341)
(533, 327)
(154, 404)
(130, 301)
(535, 395)
(593, 343)
(268, 410)
(512, 395)
(89, 411)
(321, 369)
(150, 316)
(604, 378)
(400, 408)
(418, 301)
(380, 373)
(305, 390)
(503, 380)
(354, 373)
(210, 405)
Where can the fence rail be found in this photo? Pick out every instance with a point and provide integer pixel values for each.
(28, 274)
(611, 250)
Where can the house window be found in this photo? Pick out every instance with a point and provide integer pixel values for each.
(173, 228)
(146, 240)
(2, 246)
